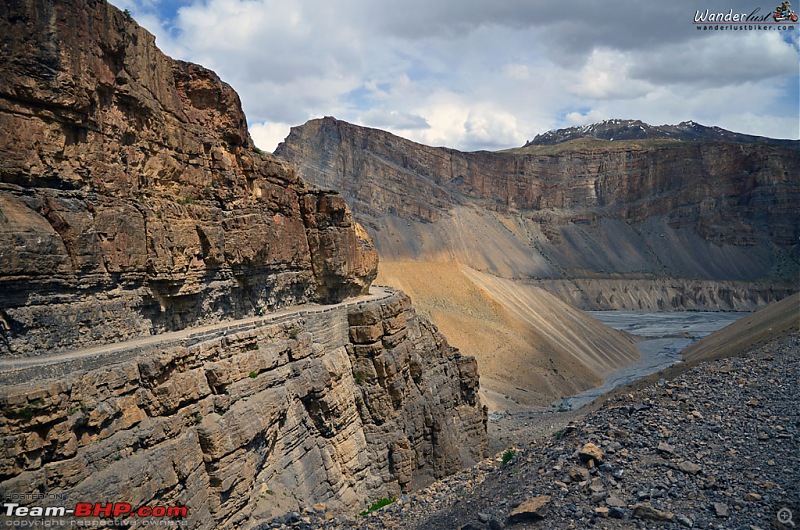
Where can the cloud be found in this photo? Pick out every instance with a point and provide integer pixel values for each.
(394, 120)
(267, 135)
(473, 74)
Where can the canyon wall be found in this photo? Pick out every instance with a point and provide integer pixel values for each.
(161, 334)
(132, 200)
(583, 214)
(339, 404)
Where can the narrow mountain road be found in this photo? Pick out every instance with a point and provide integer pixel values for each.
(19, 370)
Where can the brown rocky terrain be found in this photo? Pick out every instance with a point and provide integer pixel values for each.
(670, 218)
(711, 446)
(338, 404)
(531, 347)
(132, 199)
(775, 320)
(163, 341)
(686, 224)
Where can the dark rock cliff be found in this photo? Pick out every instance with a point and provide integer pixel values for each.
(577, 212)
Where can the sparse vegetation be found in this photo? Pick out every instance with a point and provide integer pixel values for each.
(559, 434)
(185, 200)
(508, 456)
(28, 412)
(294, 332)
(377, 505)
(253, 375)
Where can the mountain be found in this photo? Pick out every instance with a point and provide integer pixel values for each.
(692, 225)
(617, 130)
(653, 224)
(185, 322)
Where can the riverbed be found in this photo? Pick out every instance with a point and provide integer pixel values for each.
(662, 338)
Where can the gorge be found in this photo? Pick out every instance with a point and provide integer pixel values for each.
(184, 320)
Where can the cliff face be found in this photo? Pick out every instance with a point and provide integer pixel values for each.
(581, 214)
(132, 203)
(337, 404)
(132, 200)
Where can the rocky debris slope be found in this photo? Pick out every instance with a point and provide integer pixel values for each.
(132, 199)
(546, 348)
(715, 447)
(693, 224)
(338, 405)
(762, 326)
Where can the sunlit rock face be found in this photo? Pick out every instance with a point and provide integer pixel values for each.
(132, 199)
(616, 215)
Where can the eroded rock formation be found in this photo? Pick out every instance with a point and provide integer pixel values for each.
(340, 405)
(715, 221)
(132, 203)
(132, 200)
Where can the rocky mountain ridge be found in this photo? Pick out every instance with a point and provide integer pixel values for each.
(477, 238)
(618, 130)
(716, 220)
(337, 404)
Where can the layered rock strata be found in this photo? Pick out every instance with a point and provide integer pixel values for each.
(132, 199)
(587, 215)
(340, 404)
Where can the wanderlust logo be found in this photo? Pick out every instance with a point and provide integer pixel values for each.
(781, 18)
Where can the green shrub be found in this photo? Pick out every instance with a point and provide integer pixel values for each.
(377, 505)
(508, 456)
(253, 375)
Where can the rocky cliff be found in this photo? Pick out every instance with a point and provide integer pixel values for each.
(696, 224)
(340, 405)
(132, 200)
(162, 338)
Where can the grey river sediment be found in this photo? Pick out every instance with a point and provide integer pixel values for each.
(663, 337)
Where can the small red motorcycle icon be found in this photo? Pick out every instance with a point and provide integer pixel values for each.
(784, 12)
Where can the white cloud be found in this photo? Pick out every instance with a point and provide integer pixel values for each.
(267, 135)
(473, 75)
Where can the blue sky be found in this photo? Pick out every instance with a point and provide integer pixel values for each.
(474, 74)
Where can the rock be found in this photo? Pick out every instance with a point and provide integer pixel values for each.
(721, 509)
(643, 185)
(534, 509)
(689, 467)
(590, 452)
(138, 189)
(613, 500)
(579, 474)
(616, 512)
(494, 524)
(665, 448)
(752, 497)
(601, 511)
(684, 520)
(649, 512)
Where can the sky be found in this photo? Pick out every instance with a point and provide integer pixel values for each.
(489, 74)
